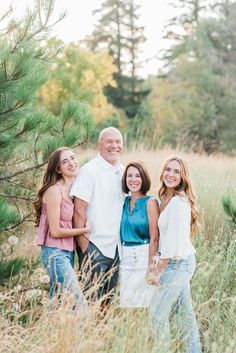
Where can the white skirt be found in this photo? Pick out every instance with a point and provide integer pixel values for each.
(134, 291)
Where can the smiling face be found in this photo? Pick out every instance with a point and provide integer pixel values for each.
(172, 175)
(68, 164)
(110, 145)
(133, 179)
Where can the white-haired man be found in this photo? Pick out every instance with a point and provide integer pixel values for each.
(99, 198)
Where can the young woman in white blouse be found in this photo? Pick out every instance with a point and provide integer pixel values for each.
(177, 221)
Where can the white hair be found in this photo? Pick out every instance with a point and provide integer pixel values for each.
(107, 129)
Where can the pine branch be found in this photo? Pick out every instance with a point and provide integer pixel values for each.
(17, 197)
(18, 185)
(17, 106)
(7, 177)
(10, 127)
(14, 163)
(17, 224)
(5, 31)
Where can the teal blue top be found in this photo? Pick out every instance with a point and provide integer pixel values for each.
(134, 228)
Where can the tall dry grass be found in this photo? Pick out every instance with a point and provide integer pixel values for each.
(127, 331)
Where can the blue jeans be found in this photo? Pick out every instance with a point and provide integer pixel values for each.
(172, 296)
(60, 267)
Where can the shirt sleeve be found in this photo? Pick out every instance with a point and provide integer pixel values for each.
(83, 185)
(178, 230)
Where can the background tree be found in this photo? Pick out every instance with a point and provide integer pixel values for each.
(182, 28)
(108, 31)
(28, 135)
(82, 75)
(118, 30)
(193, 103)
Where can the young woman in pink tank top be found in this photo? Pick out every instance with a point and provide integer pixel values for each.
(53, 215)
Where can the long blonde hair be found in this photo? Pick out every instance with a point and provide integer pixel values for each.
(185, 187)
(51, 177)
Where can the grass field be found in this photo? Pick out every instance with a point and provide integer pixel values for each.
(27, 326)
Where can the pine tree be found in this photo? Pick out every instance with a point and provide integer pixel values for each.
(29, 134)
(200, 77)
(181, 30)
(108, 31)
(118, 31)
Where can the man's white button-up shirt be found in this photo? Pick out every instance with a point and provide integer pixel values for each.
(99, 183)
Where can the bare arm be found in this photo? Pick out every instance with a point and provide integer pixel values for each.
(154, 275)
(161, 266)
(153, 214)
(52, 199)
(80, 219)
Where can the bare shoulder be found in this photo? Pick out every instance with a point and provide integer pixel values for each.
(52, 193)
(152, 204)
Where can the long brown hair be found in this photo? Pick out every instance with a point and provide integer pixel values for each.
(51, 177)
(184, 188)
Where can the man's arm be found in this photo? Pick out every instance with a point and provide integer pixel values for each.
(80, 219)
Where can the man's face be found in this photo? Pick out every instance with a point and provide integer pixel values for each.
(110, 146)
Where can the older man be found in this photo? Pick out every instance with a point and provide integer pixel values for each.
(99, 198)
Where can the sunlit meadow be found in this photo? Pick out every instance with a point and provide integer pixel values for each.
(27, 326)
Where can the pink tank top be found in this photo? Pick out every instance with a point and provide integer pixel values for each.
(66, 214)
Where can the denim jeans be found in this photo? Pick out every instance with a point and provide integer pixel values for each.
(100, 272)
(60, 267)
(172, 297)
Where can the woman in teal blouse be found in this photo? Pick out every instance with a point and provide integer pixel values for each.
(139, 237)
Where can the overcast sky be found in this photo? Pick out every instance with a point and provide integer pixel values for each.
(80, 20)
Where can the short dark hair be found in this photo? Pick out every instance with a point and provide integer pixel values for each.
(146, 180)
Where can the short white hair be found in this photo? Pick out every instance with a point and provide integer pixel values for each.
(110, 128)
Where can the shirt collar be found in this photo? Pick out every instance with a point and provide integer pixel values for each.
(106, 165)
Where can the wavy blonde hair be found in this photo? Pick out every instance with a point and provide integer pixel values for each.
(183, 189)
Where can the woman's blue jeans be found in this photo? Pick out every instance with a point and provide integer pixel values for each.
(172, 296)
(60, 267)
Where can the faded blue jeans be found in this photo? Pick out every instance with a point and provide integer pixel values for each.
(60, 267)
(172, 297)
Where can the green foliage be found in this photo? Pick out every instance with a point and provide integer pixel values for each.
(190, 13)
(142, 129)
(197, 102)
(63, 131)
(8, 215)
(128, 95)
(229, 208)
(117, 30)
(80, 75)
(11, 268)
(193, 103)
(28, 134)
